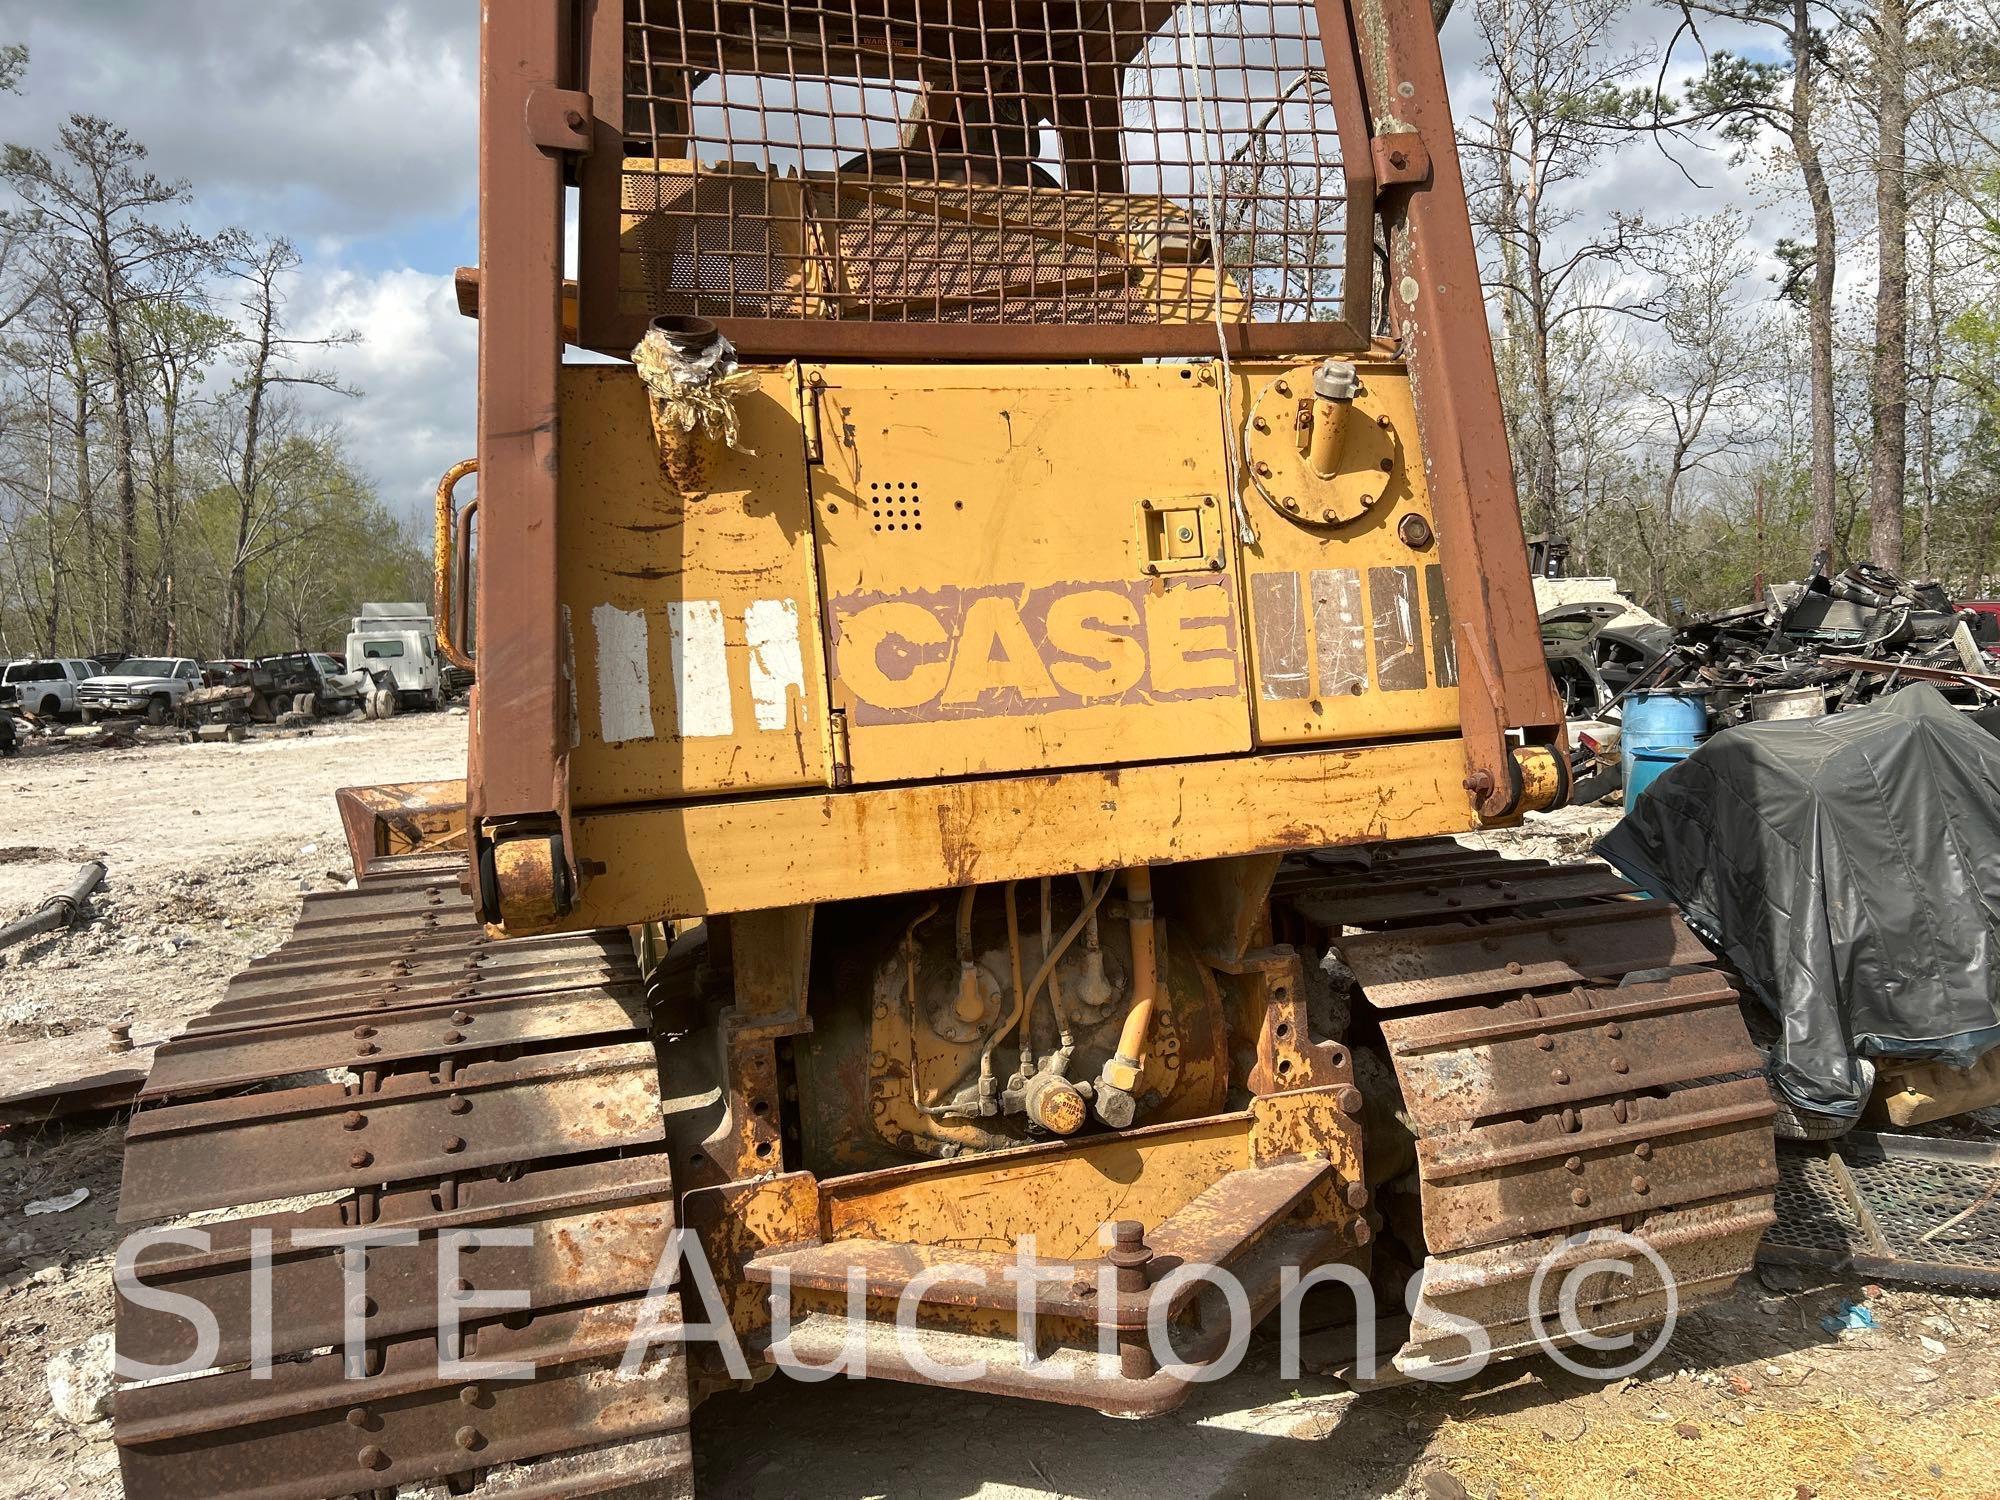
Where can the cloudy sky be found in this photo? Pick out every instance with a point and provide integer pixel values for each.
(349, 125)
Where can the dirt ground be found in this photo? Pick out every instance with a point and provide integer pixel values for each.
(209, 848)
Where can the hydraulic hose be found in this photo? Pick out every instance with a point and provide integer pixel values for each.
(1145, 968)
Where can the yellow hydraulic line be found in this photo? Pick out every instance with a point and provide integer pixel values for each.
(1123, 1070)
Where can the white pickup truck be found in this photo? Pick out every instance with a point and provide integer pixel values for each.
(46, 688)
(149, 685)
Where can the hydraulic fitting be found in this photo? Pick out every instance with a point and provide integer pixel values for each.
(1053, 1103)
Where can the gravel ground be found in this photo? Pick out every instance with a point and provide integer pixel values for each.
(209, 848)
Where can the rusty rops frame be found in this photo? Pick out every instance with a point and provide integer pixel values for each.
(1079, 179)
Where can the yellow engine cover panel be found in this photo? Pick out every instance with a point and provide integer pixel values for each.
(919, 573)
(1026, 567)
(692, 623)
(1350, 635)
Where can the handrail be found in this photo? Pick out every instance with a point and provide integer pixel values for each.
(450, 553)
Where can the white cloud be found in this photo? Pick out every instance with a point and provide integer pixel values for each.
(1664, 179)
(346, 118)
(416, 367)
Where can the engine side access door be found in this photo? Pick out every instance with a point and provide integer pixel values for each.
(1025, 567)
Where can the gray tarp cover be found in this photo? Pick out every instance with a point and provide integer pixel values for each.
(1850, 868)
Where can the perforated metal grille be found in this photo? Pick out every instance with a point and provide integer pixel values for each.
(1813, 1212)
(981, 162)
(1935, 1204)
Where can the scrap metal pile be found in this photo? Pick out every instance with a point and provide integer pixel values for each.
(1831, 642)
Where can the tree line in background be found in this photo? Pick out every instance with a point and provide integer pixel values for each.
(163, 488)
(1686, 421)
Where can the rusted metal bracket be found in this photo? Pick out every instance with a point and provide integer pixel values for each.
(1217, 1226)
(1267, 989)
(1219, 903)
(1401, 159)
(562, 120)
(770, 953)
(1290, 1208)
(524, 880)
(412, 817)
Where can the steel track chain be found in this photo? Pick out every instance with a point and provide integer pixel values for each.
(417, 1084)
(1569, 1060)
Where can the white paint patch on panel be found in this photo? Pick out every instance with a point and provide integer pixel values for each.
(1341, 632)
(1399, 661)
(624, 679)
(777, 663)
(1277, 609)
(701, 670)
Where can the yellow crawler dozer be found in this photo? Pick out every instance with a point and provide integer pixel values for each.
(974, 697)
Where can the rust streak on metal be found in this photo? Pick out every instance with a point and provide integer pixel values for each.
(184, 1156)
(1423, 965)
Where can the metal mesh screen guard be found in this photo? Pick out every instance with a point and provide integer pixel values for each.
(982, 162)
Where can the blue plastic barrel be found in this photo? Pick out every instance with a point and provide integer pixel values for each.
(1647, 765)
(1653, 720)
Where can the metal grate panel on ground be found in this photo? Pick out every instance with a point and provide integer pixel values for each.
(1895, 1207)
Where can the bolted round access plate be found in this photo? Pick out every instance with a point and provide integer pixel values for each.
(942, 1005)
(1369, 460)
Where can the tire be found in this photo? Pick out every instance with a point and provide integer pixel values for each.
(1794, 1123)
(368, 707)
(433, 702)
(85, 716)
(386, 704)
(302, 703)
(157, 711)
